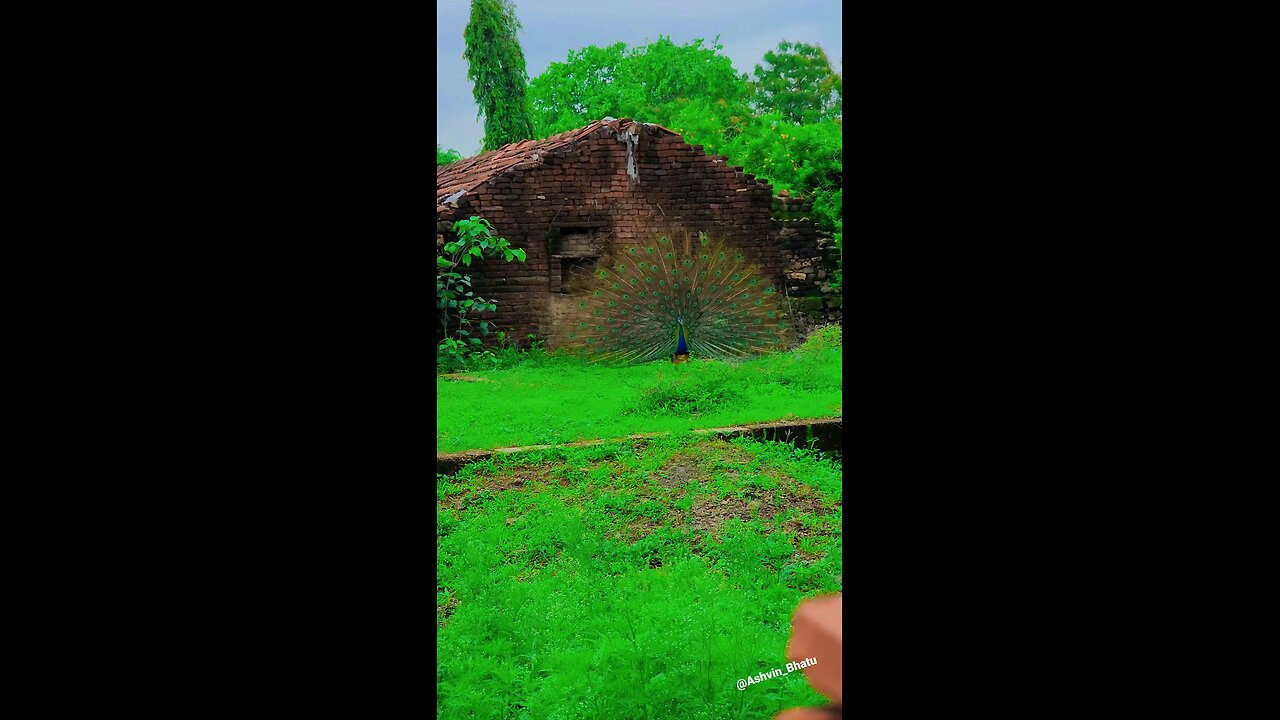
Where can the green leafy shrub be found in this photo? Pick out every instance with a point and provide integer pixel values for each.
(692, 389)
(822, 337)
(457, 345)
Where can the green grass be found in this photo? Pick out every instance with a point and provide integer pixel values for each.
(631, 580)
(549, 400)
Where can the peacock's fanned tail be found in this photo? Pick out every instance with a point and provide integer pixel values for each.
(632, 305)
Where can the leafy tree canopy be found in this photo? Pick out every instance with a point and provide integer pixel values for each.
(650, 83)
(444, 157)
(797, 81)
(495, 65)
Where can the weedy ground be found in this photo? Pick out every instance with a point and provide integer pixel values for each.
(631, 580)
(546, 399)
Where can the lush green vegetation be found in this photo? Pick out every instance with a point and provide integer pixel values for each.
(444, 157)
(631, 580)
(495, 66)
(538, 399)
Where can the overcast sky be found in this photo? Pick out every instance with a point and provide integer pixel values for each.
(747, 28)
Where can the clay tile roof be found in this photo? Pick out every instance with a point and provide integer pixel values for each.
(457, 179)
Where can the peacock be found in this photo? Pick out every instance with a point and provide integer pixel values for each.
(677, 295)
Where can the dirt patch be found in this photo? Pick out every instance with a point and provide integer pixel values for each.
(679, 474)
(640, 528)
(519, 478)
(469, 378)
(709, 513)
(732, 454)
(444, 611)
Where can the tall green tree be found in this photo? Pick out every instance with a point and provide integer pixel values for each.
(495, 66)
(798, 82)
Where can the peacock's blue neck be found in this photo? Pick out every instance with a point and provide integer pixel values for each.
(681, 347)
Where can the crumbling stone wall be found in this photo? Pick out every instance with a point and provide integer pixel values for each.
(810, 257)
(615, 187)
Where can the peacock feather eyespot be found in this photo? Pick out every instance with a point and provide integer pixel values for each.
(738, 257)
(754, 282)
(670, 255)
(735, 276)
(648, 279)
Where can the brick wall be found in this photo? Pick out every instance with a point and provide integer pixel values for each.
(587, 186)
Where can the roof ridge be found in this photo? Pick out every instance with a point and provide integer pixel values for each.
(467, 174)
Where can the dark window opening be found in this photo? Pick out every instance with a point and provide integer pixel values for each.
(572, 249)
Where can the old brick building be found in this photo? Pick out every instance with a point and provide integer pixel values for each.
(567, 198)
